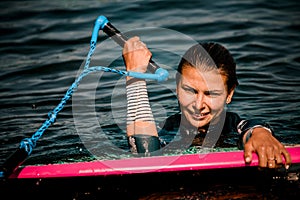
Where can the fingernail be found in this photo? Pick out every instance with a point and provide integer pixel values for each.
(287, 166)
(247, 159)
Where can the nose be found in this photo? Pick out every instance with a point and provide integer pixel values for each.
(199, 101)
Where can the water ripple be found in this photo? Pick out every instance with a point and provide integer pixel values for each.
(44, 43)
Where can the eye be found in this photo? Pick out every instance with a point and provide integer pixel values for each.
(189, 90)
(212, 93)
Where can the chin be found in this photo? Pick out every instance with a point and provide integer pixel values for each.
(198, 124)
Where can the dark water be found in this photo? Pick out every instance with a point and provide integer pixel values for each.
(43, 46)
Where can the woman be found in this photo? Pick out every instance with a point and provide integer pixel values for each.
(206, 80)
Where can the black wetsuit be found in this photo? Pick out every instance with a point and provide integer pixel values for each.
(229, 137)
(175, 136)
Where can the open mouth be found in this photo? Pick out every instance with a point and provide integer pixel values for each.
(200, 116)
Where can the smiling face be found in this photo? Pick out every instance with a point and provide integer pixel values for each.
(202, 95)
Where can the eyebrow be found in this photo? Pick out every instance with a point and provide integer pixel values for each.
(189, 87)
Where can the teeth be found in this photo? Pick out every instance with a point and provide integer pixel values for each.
(201, 115)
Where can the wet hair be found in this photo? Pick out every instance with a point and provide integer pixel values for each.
(209, 56)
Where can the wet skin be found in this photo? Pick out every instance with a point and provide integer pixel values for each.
(202, 97)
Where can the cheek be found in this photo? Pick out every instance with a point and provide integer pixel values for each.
(184, 98)
(217, 103)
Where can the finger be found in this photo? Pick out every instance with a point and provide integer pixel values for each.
(278, 157)
(133, 39)
(139, 45)
(271, 157)
(287, 157)
(271, 163)
(248, 153)
(142, 43)
(262, 157)
(130, 42)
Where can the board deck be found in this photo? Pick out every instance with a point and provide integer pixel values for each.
(212, 160)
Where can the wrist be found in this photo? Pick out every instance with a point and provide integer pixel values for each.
(254, 130)
(131, 80)
(144, 145)
(139, 68)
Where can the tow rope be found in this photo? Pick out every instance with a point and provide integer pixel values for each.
(28, 144)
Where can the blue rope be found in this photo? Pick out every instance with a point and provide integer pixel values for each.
(29, 143)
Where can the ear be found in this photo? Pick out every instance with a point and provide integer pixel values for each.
(229, 96)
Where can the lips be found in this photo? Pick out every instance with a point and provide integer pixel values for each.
(199, 116)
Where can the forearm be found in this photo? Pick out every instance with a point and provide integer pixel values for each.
(141, 128)
(139, 114)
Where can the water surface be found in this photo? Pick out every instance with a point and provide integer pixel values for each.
(43, 46)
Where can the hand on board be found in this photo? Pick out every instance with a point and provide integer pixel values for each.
(271, 153)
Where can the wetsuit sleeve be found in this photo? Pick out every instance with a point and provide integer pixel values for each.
(141, 128)
(247, 126)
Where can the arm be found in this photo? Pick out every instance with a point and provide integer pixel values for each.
(141, 127)
(259, 138)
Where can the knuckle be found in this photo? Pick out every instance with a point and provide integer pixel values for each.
(271, 148)
(261, 148)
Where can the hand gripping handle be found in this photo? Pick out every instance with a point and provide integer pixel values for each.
(102, 23)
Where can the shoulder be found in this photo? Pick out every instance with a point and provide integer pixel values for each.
(171, 123)
(231, 122)
(233, 117)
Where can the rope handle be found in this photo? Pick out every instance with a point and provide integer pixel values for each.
(102, 23)
(27, 144)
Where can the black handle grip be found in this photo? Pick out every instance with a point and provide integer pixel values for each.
(120, 39)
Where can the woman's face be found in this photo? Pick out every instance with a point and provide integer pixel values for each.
(202, 95)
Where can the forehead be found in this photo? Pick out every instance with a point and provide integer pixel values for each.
(203, 80)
